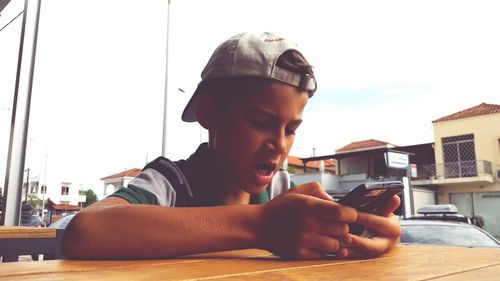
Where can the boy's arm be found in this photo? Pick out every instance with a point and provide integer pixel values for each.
(113, 228)
(301, 223)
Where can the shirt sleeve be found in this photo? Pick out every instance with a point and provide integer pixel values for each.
(149, 187)
(136, 195)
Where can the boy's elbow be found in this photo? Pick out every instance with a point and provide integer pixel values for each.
(75, 241)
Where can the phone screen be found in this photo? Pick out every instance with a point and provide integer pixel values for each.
(369, 197)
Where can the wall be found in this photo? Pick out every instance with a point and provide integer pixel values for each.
(54, 192)
(112, 185)
(354, 165)
(328, 181)
(422, 197)
(486, 130)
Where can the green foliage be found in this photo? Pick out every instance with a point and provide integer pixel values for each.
(91, 198)
(34, 201)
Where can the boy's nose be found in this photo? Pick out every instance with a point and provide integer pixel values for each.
(279, 144)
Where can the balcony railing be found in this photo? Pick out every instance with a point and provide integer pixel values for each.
(449, 170)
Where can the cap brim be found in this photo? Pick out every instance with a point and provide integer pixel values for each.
(189, 113)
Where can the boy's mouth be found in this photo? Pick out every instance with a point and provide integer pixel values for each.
(264, 172)
(265, 169)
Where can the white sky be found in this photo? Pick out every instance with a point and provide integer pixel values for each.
(385, 70)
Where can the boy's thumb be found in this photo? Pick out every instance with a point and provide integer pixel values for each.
(312, 189)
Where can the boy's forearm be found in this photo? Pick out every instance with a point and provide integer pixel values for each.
(146, 231)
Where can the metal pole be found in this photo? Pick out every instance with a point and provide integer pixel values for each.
(27, 185)
(44, 182)
(19, 125)
(164, 139)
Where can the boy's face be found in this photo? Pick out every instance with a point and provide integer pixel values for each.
(254, 136)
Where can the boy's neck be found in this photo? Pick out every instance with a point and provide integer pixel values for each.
(235, 197)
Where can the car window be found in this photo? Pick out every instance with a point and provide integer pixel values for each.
(446, 235)
(62, 223)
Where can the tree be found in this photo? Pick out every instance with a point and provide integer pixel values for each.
(91, 198)
(34, 201)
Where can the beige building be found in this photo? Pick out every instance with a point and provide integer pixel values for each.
(467, 163)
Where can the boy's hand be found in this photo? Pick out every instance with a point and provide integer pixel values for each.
(304, 223)
(387, 232)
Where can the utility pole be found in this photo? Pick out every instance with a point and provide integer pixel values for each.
(27, 184)
(20, 119)
(164, 138)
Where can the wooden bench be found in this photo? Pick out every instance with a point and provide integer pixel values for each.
(20, 240)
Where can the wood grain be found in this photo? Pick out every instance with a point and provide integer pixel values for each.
(404, 263)
(26, 232)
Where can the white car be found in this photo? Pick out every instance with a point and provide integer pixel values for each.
(63, 222)
(445, 233)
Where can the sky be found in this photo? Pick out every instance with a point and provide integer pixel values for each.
(385, 70)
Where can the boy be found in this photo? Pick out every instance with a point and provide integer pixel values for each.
(250, 99)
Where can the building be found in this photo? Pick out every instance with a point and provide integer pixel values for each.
(296, 166)
(57, 211)
(374, 160)
(114, 182)
(466, 169)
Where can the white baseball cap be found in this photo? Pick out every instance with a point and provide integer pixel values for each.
(250, 54)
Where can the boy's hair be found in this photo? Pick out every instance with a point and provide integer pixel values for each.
(249, 58)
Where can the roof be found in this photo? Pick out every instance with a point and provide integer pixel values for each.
(478, 110)
(132, 173)
(364, 145)
(296, 161)
(366, 150)
(63, 207)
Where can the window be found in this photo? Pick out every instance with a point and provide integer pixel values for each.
(64, 190)
(43, 189)
(34, 187)
(459, 156)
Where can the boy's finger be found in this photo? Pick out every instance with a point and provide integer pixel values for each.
(324, 244)
(333, 228)
(387, 226)
(312, 189)
(389, 207)
(366, 247)
(335, 212)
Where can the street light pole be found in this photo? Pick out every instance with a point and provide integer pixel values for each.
(27, 184)
(44, 186)
(19, 122)
(164, 139)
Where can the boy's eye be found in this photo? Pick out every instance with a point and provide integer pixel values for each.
(266, 124)
(260, 123)
(289, 131)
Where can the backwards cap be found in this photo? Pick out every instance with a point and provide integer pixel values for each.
(250, 54)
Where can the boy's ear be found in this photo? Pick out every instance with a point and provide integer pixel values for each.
(206, 109)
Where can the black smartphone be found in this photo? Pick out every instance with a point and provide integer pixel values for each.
(368, 198)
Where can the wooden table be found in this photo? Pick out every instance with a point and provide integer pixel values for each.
(22, 240)
(404, 263)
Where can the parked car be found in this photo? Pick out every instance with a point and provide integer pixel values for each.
(445, 233)
(63, 222)
(445, 212)
(28, 219)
